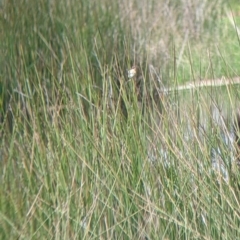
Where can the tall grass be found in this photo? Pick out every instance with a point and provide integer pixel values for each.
(83, 154)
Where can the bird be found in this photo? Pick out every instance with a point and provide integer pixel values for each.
(148, 91)
(132, 72)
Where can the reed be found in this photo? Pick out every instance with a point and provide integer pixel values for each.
(72, 165)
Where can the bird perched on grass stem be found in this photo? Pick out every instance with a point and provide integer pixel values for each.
(147, 88)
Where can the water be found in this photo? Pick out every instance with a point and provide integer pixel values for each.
(198, 124)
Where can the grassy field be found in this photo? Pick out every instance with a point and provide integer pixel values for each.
(87, 154)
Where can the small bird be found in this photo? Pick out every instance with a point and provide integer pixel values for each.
(132, 72)
(135, 74)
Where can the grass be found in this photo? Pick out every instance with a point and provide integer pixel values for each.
(81, 156)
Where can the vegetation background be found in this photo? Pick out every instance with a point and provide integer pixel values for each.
(83, 154)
